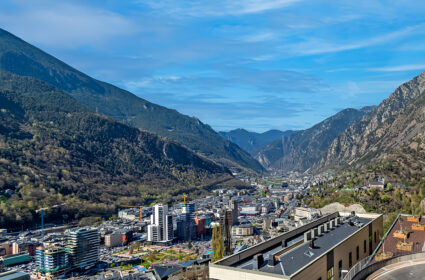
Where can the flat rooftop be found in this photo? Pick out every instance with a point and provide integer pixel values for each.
(293, 260)
(298, 253)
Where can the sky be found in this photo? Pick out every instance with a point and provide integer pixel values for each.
(253, 64)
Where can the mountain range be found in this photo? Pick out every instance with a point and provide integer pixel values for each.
(253, 141)
(20, 58)
(302, 149)
(388, 139)
(55, 150)
(68, 138)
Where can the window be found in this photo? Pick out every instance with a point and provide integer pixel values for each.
(350, 259)
(340, 268)
(331, 273)
(375, 237)
(357, 253)
(364, 246)
(309, 253)
(320, 278)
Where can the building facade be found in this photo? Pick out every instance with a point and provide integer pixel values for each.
(186, 228)
(243, 230)
(235, 211)
(52, 260)
(161, 227)
(113, 239)
(83, 246)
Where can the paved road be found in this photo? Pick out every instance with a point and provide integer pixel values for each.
(404, 271)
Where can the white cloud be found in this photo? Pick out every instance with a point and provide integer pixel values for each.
(407, 67)
(65, 24)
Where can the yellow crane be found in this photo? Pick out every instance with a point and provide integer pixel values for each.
(184, 198)
(131, 206)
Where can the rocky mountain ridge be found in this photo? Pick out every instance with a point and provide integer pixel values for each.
(305, 148)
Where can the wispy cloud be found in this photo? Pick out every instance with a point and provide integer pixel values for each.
(351, 89)
(319, 46)
(259, 37)
(271, 80)
(398, 68)
(218, 7)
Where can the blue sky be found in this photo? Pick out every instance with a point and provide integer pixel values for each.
(283, 64)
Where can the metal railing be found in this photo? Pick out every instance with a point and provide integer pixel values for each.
(359, 266)
(372, 267)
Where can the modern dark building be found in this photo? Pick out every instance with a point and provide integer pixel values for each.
(186, 227)
(83, 245)
(235, 211)
(226, 221)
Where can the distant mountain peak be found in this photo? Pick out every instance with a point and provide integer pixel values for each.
(253, 141)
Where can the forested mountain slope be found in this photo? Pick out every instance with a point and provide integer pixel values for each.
(21, 58)
(55, 150)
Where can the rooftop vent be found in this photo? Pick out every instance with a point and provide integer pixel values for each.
(312, 245)
(353, 222)
(307, 236)
(271, 260)
(336, 221)
(314, 232)
(320, 230)
(258, 261)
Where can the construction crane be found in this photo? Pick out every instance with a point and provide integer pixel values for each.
(130, 206)
(184, 198)
(41, 211)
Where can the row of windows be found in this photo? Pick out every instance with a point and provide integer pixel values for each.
(330, 272)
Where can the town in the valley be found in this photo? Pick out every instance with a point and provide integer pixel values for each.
(176, 241)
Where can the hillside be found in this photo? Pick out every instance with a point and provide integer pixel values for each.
(253, 141)
(393, 133)
(303, 149)
(55, 150)
(21, 58)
